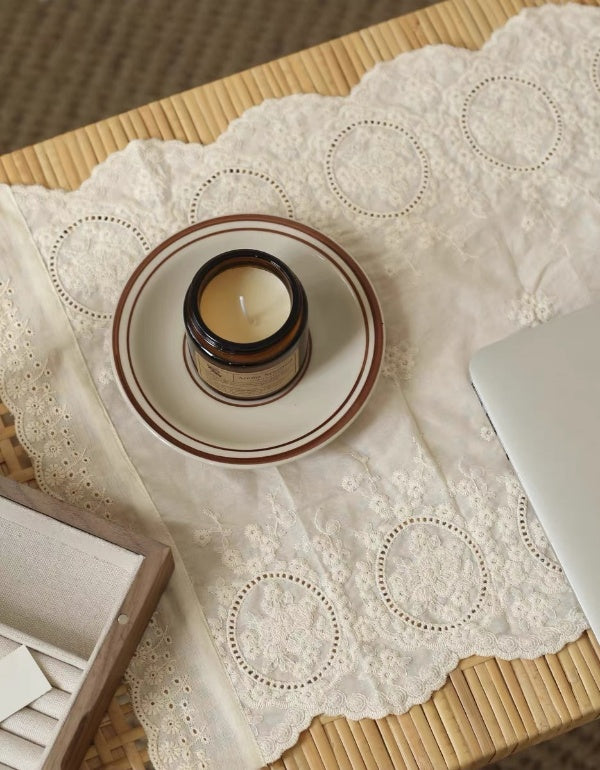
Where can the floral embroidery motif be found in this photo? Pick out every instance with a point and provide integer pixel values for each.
(403, 168)
(399, 362)
(281, 628)
(431, 574)
(511, 123)
(95, 290)
(332, 553)
(531, 611)
(391, 665)
(61, 466)
(178, 737)
(264, 538)
(531, 309)
(239, 191)
(410, 488)
(287, 632)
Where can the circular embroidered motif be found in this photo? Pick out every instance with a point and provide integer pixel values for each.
(116, 245)
(434, 570)
(377, 168)
(534, 536)
(239, 191)
(283, 631)
(511, 123)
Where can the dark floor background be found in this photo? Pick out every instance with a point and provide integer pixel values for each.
(65, 63)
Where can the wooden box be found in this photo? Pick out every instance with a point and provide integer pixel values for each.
(78, 591)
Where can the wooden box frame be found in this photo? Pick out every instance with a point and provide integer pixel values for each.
(106, 670)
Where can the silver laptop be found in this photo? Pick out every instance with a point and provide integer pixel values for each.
(541, 391)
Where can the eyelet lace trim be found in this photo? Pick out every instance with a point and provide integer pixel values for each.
(162, 697)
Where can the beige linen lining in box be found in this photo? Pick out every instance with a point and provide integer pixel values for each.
(58, 584)
(18, 753)
(60, 589)
(61, 673)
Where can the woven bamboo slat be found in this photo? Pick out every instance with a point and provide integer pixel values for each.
(488, 708)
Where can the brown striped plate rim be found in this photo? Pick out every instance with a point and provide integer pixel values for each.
(316, 435)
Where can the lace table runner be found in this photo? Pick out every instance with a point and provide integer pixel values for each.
(351, 581)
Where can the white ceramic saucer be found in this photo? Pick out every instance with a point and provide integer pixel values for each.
(347, 335)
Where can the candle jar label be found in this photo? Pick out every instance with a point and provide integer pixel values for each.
(249, 384)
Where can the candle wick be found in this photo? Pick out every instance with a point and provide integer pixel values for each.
(244, 311)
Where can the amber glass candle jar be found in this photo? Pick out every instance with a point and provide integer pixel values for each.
(246, 320)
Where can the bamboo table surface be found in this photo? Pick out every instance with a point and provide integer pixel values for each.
(488, 708)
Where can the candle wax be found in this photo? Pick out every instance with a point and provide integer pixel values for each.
(245, 304)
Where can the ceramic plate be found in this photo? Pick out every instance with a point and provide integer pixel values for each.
(158, 379)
